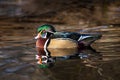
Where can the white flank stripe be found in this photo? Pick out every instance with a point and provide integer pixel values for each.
(80, 38)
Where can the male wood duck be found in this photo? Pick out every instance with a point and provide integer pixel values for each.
(48, 38)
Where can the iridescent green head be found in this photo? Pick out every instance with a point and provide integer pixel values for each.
(46, 27)
(45, 30)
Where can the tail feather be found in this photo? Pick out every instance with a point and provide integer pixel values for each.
(88, 39)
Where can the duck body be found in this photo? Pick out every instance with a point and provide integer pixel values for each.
(73, 39)
(48, 38)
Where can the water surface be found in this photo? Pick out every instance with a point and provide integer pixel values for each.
(17, 56)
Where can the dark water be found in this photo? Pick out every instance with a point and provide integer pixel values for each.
(17, 56)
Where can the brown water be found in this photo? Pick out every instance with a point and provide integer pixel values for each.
(17, 56)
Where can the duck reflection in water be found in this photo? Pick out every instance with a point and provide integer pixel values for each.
(47, 59)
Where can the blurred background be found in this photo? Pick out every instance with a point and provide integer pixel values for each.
(63, 11)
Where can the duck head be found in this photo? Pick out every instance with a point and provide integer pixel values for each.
(43, 36)
(45, 31)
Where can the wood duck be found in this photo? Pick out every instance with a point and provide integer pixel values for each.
(49, 38)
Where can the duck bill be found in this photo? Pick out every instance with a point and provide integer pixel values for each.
(41, 36)
(38, 36)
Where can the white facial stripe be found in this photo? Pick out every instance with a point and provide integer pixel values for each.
(50, 31)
